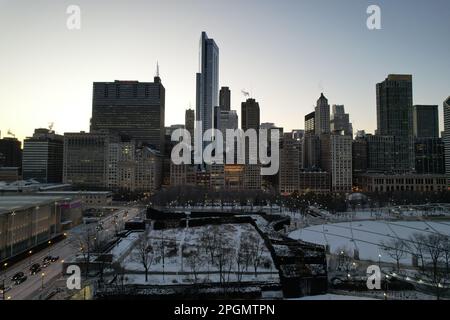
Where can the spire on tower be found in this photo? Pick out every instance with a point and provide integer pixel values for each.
(157, 69)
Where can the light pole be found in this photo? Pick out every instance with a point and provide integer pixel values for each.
(42, 280)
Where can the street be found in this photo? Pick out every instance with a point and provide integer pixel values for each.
(64, 249)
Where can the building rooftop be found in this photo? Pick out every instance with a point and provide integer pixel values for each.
(15, 203)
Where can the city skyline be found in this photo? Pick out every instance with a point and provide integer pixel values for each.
(291, 82)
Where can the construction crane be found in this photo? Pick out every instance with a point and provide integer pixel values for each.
(11, 134)
(245, 93)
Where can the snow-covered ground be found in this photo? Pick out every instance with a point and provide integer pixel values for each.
(178, 269)
(367, 235)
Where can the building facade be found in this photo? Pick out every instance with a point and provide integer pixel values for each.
(86, 159)
(130, 108)
(207, 82)
(42, 158)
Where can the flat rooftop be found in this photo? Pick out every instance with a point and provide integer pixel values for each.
(16, 203)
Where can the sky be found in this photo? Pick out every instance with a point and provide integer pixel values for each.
(284, 52)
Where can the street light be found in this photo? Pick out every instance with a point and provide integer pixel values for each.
(42, 282)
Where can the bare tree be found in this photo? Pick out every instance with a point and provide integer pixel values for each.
(243, 256)
(144, 252)
(86, 242)
(417, 246)
(396, 249)
(193, 260)
(223, 258)
(209, 241)
(435, 251)
(257, 248)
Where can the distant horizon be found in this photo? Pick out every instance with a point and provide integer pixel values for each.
(284, 58)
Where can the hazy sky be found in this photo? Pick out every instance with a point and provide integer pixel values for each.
(284, 52)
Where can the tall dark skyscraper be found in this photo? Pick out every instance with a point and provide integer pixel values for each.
(207, 82)
(130, 108)
(322, 116)
(395, 119)
(250, 115)
(426, 121)
(43, 156)
(225, 98)
(10, 152)
(189, 122)
(310, 123)
(394, 106)
(447, 138)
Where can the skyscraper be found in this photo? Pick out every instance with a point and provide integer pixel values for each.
(310, 123)
(426, 121)
(86, 159)
(207, 82)
(394, 106)
(322, 116)
(43, 157)
(250, 116)
(340, 121)
(189, 122)
(225, 98)
(447, 138)
(395, 118)
(10, 152)
(130, 108)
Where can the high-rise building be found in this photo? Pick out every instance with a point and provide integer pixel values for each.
(189, 122)
(43, 156)
(395, 117)
(250, 116)
(311, 154)
(340, 121)
(130, 108)
(10, 153)
(322, 116)
(86, 159)
(446, 137)
(133, 169)
(207, 96)
(310, 123)
(359, 152)
(225, 98)
(336, 158)
(291, 162)
(429, 155)
(394, 106)
(426, 121)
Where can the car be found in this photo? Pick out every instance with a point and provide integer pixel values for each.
(54, 259)
(18, 275)
(20, 280)
(47, 259)
(35, 268)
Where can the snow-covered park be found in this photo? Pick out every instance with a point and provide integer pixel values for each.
(210, 253)
(366, 236)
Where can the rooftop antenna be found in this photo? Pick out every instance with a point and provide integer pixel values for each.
(11, 133)
(157, 69)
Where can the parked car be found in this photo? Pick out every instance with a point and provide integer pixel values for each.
(54, 259)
